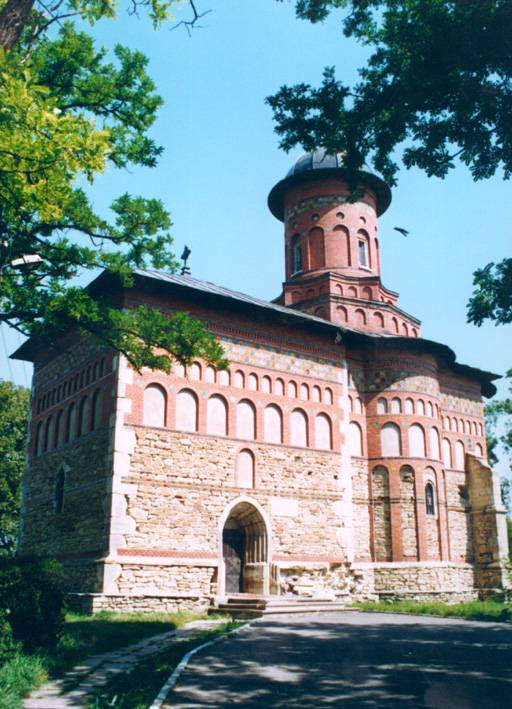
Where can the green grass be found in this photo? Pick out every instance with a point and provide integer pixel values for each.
(470, 610)
(84, 636)
(137, 689)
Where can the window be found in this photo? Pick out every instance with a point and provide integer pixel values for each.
(153, 407)
(273, 424)
(355, 439)
(245, 469)
(245, 420)
(292, 390)
(252, 382)
(396, 406)
(194, 372)
(429, 500)
(459, 455)
(323, 433)
(421, 407)
(279, 387)
(239, 379)
(409, 406)
(447, 453)
(59, 490)
(390, 440)
(298, 428)
(304, 392)
(382, 406)
(209, 374)
(217, 416)
(362, 248)
(186, 411)
(266, 385)
(316, 394)
(435, 444)
(328, 396)
(417, 447)
(296, 254)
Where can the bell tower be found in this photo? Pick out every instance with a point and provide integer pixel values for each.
(332, 246)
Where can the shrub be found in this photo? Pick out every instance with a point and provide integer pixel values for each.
(8, 645)
(32, 596)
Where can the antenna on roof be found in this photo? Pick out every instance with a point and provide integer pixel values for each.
(185, 270)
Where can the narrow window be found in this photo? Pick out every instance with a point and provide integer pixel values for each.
(59, 491)
(296, 255)
(429, 500)
(362, 246)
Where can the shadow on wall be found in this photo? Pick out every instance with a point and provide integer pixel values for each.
(354, 660)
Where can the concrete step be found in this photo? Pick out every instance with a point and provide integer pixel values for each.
(247, 608)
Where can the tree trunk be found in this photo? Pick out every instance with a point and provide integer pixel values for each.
(13, 18)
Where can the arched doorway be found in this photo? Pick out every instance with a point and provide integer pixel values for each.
(245, 550)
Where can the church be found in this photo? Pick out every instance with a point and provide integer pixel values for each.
(340, 456)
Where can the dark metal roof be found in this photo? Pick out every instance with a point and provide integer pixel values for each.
(318, 165)
(217, 295)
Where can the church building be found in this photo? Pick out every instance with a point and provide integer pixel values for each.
(340, 456)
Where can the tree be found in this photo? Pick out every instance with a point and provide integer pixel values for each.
(70, 111)
(14, 407)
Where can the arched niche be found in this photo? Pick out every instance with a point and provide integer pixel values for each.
(217, 416)
(390, 441)
(298, 428)
(186, 410)
(246, 420)
(154, 404)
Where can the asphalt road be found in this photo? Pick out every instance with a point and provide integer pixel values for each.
(353, 660)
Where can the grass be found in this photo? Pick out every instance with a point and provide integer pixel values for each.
(138, 689)
(470, 610)
(84, 636)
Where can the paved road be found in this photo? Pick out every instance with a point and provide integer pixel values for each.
(350, 660)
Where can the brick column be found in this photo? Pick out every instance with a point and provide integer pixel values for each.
(421, 516)
(395, 512)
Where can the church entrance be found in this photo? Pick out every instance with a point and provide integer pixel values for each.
(245, 551)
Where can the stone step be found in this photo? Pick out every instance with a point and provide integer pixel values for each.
(248, 608)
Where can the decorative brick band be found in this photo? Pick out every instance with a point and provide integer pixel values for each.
(308, 558)
(168, 553)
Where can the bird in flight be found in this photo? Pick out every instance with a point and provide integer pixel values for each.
(404, 232)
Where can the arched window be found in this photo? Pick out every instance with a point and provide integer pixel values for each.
(298, 428)
(459, 455)
(382, 405)
(60, 484)
(366, 293)
(39, 439)
(266, 385)
(396, 406)
(70, 433)
(447, 453)
(417, 448)
(179, 369)
(154, 405)
(296, 251)
(352, 292)
(209, 374)
(421, 407)
(378, 320)
(59, 429)
(83, 416)
(341, 313)
(97, 410)
(405, 329)
(194, 371)
(272, 424)
(279, 387)
(468, 428)
(391, 445)
(359, 317)
(292, 390)
(474, 429)
(479, 450)
(217, 416)
(358, 405)
(48, 434)
(435, 444)
(186, 410)
(430, 506)
(394, 323)
(223, 377)
(363, 251)
(316, 248)
(323, 432)
(252, 382)
(239, 379)
(355, 439)
(245, 420)
(328, 396)
(316, 394)
(245, 469)
(304, 392)
(430, 409)
(409, 407)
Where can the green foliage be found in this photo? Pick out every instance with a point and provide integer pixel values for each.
(492, 298)
(14, 405)
(470, 610)
(31, 594)
(70, 112)
(18, 677)
(437, 85)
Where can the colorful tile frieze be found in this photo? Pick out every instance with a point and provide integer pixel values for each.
(280, 361)
(330, 201)
(461, 405)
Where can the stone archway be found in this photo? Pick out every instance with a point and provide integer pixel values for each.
(244, 566)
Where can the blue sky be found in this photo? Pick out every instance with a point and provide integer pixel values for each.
(222, 158)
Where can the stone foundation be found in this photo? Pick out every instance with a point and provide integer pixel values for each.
(91, 603)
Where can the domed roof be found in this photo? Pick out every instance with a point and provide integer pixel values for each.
(318, 165)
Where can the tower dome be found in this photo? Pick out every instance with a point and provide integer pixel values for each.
(319, 165)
